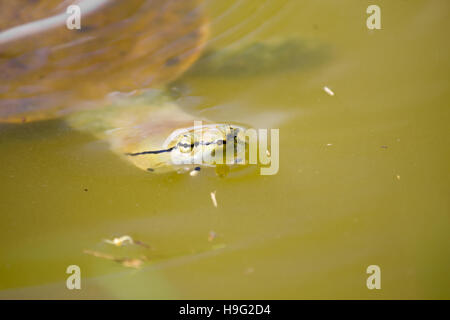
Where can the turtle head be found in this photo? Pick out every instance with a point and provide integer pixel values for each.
(210, 145)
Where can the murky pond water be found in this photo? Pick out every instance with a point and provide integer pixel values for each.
(363, 176)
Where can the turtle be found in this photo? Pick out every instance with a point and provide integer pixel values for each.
(130, 49)
(111, 76)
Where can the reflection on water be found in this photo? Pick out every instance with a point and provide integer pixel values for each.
(363, 174)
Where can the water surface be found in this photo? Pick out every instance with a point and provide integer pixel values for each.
(363, 177)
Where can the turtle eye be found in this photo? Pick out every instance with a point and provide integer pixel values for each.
(185, 145)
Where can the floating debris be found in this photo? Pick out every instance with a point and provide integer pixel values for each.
(329, 144)
(140, 243)
(384, 147)
(126, 262)
(211, 236)
(120, 241)
(126, 240)
(213, 198)
(398, 177)
(328, 91)
(132, 263)
(195, 172)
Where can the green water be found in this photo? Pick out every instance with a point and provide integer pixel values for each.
(363, 179)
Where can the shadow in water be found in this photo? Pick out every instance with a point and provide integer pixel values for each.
(262, 57)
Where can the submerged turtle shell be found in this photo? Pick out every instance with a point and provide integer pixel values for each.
(48, 70)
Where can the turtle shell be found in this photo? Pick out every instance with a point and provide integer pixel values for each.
(49, 70)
